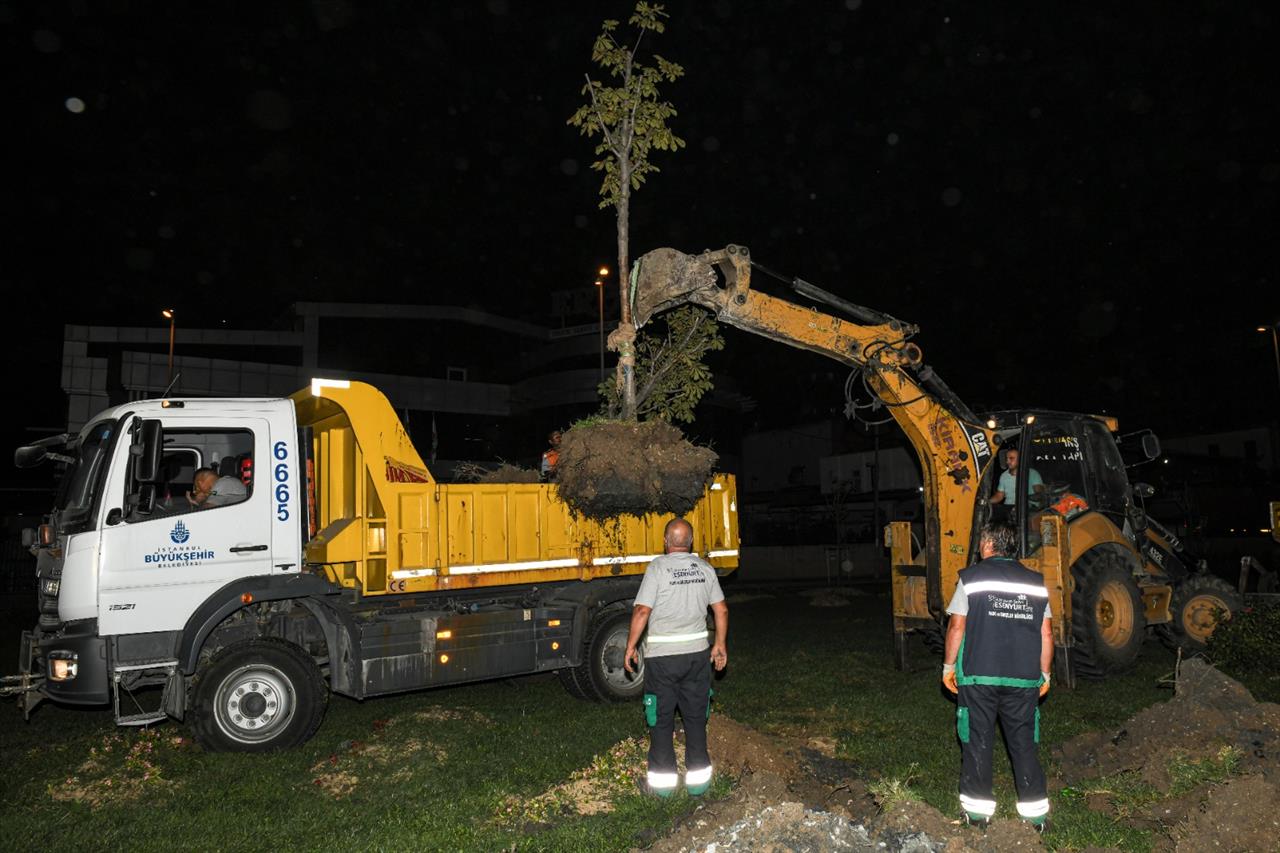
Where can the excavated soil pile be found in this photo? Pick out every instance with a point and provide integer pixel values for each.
(1211, 717)
(621, 468)
(793, 798)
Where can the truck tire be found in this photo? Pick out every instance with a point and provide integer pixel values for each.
(608, 643)
(577, 682)
(1108, 622)
(258, 696)
(1195, 607)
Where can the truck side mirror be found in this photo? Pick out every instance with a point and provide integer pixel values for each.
(148, 443)
(29, 537)
(1150, 445)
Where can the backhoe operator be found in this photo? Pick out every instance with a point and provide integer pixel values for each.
(1007, 487)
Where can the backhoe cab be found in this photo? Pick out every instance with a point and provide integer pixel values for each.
(1112, 572)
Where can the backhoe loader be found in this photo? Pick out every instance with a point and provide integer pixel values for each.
(1111, 572)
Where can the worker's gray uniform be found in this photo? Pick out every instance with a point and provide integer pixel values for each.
(677, 669)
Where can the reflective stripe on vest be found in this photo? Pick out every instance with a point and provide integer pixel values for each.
(677, 638)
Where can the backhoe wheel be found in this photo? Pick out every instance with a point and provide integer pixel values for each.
(1200, 603)
(258, 696)
(1108, 623)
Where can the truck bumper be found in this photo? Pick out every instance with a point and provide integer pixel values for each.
(75, 641)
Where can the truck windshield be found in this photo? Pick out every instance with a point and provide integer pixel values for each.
(82, 477)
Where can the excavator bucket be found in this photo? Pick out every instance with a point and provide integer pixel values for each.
(665, 279)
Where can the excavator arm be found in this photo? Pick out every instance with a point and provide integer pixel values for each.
(954, 449)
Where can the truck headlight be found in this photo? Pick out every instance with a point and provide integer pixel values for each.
(63, 665)
(50, 586)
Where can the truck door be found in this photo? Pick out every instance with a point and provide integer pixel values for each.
(157, 564)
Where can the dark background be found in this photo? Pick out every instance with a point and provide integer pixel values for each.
(1077, 205)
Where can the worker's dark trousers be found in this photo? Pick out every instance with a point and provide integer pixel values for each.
(684, 682)
(1016, 708)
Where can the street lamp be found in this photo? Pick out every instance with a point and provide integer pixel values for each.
(1275, 345)
(603, 272)
(168, 315)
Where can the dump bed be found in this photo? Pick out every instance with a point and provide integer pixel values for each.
(380, 523)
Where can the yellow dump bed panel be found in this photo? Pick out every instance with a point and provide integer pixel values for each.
(383, 525)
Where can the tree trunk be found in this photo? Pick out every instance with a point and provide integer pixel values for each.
(626, 340)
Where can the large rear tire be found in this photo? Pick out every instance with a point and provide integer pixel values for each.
(258, 696)
(1199, 603)
(601, 677)
(1108, 623)
(605, 652)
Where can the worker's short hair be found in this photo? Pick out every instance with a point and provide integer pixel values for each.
(1002, 536)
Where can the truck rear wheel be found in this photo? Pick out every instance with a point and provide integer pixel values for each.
(602, 677)
(1199, 603)
(1108, 622)
(258, 696)
(605, 662)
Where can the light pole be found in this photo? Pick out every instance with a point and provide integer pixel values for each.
(168, 314)
(603, 272)
(1275, 345)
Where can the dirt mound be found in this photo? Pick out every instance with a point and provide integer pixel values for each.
(1199, 769)
(1209, 711)
(612, 468)
(791, 797)
(1241, 814)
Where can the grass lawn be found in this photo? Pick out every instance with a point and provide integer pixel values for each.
(442, 770)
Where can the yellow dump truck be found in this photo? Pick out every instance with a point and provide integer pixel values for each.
(325, 557)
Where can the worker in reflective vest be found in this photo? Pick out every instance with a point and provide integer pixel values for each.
(677, 589)
(998, 653)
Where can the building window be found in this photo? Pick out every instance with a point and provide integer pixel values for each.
(1214, 450)
(455, 374)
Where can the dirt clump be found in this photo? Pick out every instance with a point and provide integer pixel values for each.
(611, 468)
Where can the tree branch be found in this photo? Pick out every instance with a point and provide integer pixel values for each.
(667, 364)
(595, 106)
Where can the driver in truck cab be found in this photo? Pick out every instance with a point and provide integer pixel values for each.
(209, 490)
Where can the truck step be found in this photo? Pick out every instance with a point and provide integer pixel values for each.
(144, 719)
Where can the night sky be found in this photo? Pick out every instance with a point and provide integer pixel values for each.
(1078, 207)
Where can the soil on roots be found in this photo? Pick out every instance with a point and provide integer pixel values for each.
(617, 468)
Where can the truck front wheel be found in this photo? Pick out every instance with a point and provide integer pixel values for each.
(258, 696)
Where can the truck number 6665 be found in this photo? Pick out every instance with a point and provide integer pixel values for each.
(281, 452)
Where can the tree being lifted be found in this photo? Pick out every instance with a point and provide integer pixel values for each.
(610, 468)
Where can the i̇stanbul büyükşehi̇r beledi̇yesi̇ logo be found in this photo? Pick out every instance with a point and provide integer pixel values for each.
(180, 533)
